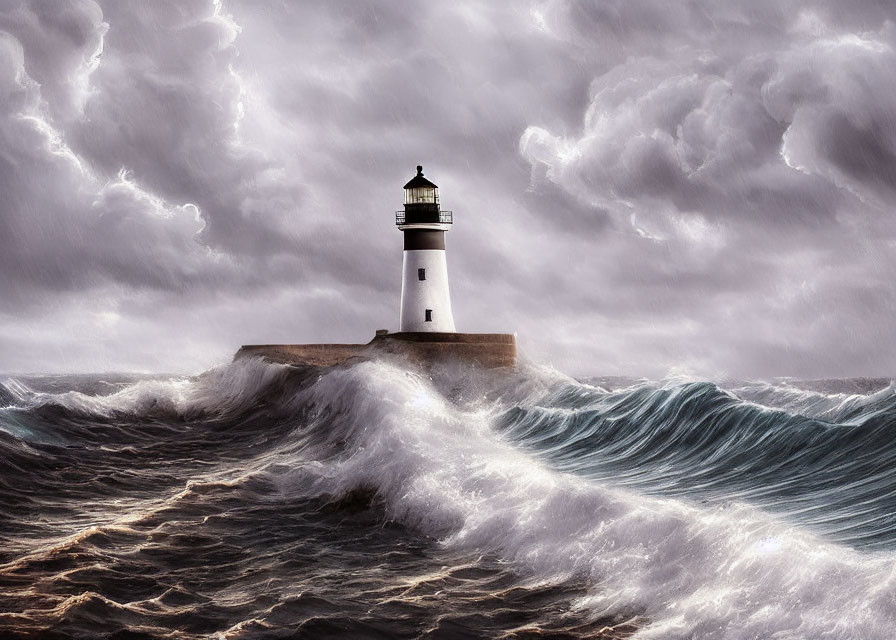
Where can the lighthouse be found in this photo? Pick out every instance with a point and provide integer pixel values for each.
(425, 301)
(427, 336)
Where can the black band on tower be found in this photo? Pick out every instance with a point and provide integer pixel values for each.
(421, 239)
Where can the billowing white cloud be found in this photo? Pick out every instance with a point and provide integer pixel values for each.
(760, 162)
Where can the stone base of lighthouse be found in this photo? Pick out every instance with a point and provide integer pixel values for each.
(487, 350)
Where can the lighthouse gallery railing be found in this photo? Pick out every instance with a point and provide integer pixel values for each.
(445, 217)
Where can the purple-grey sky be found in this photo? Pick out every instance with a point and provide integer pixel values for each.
(640, 187)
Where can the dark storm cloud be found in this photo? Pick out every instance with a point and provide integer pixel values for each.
(72, 224)
(116, 169)
(638, 186)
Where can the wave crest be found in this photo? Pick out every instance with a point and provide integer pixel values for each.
(693, 571)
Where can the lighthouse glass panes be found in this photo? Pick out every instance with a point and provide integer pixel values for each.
(421, 195)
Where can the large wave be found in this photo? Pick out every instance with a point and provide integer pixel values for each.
(661, 496)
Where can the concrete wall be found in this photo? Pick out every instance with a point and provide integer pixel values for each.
(488, 350)
(322, 355)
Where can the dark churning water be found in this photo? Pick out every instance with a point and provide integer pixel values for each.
(373, 501)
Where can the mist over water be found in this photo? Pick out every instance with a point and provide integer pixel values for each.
(373, 500)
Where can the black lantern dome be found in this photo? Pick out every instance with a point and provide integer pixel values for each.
(419, 190)
(421, 203)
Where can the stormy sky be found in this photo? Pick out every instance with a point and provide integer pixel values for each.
(640, 186)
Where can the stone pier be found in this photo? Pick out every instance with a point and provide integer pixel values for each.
(488, 350)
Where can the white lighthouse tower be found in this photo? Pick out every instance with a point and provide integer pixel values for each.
(425, 302)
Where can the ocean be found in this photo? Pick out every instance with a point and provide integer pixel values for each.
(377, 501)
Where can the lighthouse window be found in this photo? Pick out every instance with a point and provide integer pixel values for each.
(418, 195)
(421, 274)
(428, 317)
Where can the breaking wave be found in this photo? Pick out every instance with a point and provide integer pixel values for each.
(670, 509)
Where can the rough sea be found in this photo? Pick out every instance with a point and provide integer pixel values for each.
(375, 501)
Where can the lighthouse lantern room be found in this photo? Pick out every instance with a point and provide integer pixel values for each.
(425, 301)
